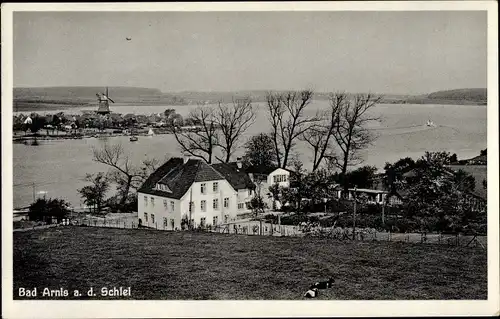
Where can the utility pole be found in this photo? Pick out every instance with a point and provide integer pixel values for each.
(34, 193)
(383, 211)
(354, 216)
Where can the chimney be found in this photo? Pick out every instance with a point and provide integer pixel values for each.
(238, 162)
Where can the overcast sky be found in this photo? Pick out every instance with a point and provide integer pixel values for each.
(382, 52)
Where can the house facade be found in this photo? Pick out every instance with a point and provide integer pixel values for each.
(192, 190)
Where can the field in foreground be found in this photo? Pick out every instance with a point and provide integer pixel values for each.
(181, 265)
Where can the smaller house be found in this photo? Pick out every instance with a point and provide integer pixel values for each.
(265, 176)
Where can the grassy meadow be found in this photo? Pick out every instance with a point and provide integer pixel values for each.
(183, 265)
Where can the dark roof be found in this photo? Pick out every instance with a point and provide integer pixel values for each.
(262, 169)
(148, 186)
(238, 178)
(179, 177)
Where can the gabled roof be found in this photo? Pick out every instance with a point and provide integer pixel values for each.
(179, 177)
(148, 186)
(238, 178)
(261, 169)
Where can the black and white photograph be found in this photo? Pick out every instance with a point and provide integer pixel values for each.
(320, 153)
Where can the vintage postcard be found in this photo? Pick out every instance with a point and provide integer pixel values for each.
(250, 159)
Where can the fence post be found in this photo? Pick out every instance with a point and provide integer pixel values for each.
(439, 238)
(390, 235)
(458, 239)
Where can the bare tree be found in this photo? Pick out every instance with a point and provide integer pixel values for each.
(201, 141)
(124, 173)
(320, 137)
(350, 132)
(288, 121)
(233, 121)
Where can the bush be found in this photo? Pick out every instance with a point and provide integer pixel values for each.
(46, 209)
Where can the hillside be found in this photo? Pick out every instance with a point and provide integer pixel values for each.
(460, 96)
(46, 98)
(41, 98)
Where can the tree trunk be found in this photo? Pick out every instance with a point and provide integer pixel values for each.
(126, 191)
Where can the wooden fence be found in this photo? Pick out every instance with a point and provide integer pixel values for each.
(261, 228)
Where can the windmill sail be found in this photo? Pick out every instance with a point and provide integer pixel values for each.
(104, 103)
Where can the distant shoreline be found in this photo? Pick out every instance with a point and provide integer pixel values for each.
(46, 107)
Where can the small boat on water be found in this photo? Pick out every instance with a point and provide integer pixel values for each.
(151, 132)
(134, 138)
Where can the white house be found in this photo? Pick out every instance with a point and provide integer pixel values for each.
(264, 176)
(193, 190)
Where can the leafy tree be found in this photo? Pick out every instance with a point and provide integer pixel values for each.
(453, 158)
(485, 186)
(38, 122)
(362, 177)
(440, 200)
(393, 174)
(46, 209)
(484, 152)
(259, 151)
(257, 204)
(275, 192)
(169, 112)
(94, 194)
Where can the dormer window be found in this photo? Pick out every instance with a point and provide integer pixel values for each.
(162, 187)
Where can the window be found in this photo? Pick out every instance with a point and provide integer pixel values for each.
(191, 206)
(165, 204)
(279, 178)
(203, 188)
(226, 202)
(145, 201)
(215, 186)
(146, 217)
(152, 201)
(216, 204)
(215, 220)
(152, 218)
(203, 205)
(203, 221)
(172, 223)
(241, 205)
(172, 206)
(165, 222)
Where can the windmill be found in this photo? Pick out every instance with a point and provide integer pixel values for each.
(104, 103)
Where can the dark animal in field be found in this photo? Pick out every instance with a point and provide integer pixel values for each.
(312, 293)
(323, 284)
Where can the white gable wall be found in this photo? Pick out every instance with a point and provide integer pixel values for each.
(277, 172)
(159, 210)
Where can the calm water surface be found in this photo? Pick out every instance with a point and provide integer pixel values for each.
(58, 167)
